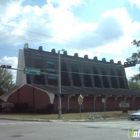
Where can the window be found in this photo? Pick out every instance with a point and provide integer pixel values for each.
(50, 62)
(53, 71)
(52, 80)
(75, 75)
(50, 65)
(87, 80)
(52, 77)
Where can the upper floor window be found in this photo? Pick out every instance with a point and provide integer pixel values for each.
(50, 65)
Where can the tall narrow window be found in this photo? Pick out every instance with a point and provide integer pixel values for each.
(104, 78)
(113, 78)
(97, 81)
(64, 75)
(87, 80)
(121, 80)
(75, 75)
(52, 79)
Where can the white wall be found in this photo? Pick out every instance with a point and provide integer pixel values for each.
(21, 77)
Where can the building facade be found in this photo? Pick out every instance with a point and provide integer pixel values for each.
(94, 79)
(75, 71)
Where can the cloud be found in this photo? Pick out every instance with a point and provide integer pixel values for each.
(111, 28)
(38, 24)
(135, 2)
(131, 71)
(12, 61)
(108, 30)
(55, 23)
(63, 4)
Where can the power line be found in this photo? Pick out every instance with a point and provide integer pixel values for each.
(36, 40)
(45, 35)
(41, 41)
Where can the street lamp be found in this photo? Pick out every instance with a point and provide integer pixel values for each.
(59, 85)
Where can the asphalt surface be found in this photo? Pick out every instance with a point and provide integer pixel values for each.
(59, 130)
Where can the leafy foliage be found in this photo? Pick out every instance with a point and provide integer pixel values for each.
(134, 85)
(6, 81)
(134, 82)
(135, 78)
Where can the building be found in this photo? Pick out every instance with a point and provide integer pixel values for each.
(96, 80)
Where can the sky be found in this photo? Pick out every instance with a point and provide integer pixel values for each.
(102, 28)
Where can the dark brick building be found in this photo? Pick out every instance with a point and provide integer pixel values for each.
(92, 78)
(76, 71)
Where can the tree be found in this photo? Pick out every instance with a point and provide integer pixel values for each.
(134, 85)
(135, 78)
(134, 82)
(6, 81)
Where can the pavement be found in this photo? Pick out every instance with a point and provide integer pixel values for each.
(28, 130)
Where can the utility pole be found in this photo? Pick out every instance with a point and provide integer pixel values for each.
(38, 72)
(59, 86)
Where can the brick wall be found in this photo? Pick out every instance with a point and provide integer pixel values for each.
(110, 103)
(32, 96)
(137, 103)
(36, 98)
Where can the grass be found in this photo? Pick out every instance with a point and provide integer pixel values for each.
(68, 116)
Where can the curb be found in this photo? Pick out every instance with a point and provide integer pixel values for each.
(20, 119)
(62, 120)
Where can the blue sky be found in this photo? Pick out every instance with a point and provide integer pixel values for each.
(102, 28)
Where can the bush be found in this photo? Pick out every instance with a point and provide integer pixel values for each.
(21, 107)
(45, 110)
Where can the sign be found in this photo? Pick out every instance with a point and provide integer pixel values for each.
(80, 99)
(123, 104)
(103, 100)
(32, 71)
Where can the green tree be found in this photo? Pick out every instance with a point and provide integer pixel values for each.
(134, 85)
(135, 78)
(134, 82)
(6, 80)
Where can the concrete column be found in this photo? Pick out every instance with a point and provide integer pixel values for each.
(125, 97)
(69, 96)
(116, 99)
(51, 96)
(95, 97)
